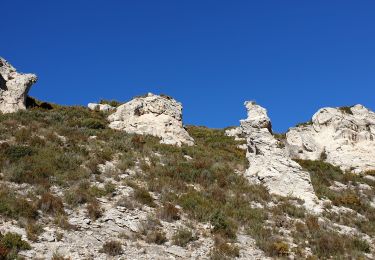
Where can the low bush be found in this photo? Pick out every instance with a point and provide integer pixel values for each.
(223, 250)
(33, 230)
(93, 210)
(63, 222)
(222, 225)
(51, 204)
(143, 196)
(183, 236)
(156, 236)
(93, 123)
(15, 152)
(326, 243)
(346, 110)
(15, 207)
(11, 244)
(112, 248)
(168, 212)
(280, 248)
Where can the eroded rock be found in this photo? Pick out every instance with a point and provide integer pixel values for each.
(269, 162)
(160, 116)
(14, 87)
(100, 107)
(344, 137)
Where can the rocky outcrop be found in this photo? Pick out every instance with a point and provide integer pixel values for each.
(344, 137)
(160, 116)
(235, 132)
(100, 107)
(269, 162)
(14, 87)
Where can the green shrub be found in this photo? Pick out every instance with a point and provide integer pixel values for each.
(280, 248)
(290, 209)
(63, 222)
(11, 244)
(346, 110)
(51, 204)
(156, 236)
(33, 230)
(223, 250)
(326, 243)
(182, 237)
(15, 152)
(222, 225)
(93, 123)
(196, 205)
(15, 207)
(143, 196)
(168, 212)
(93, 210)
(112, 248)
(361, 245)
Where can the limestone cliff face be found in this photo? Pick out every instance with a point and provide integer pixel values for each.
(269, 162)
(344, 137)
(14, 87)
(155, 115)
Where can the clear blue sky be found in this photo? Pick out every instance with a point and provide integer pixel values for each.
(292, 57)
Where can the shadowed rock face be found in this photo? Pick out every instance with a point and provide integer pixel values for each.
(344, 137)
(155, 115)
(14, 87)
(270, 164)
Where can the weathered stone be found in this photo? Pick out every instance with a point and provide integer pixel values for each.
(235, 132)
(14, 88)
(160, 116)
(100, 107)
(342, 137)
(269, 162)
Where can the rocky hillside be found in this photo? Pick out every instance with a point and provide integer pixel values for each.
(129, 181)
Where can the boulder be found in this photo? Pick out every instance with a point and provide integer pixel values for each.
(14, 87)
(100, 107)
(269, 163)
(344, 137)
(155, 115)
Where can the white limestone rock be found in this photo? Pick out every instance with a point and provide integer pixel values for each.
(14, 88)
(160, 116)
(235, 132)
(342, 137)
(100, 107)
(269, 162)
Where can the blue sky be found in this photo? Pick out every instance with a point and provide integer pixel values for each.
(292, 57)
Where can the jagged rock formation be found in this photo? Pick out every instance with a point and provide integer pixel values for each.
(14, 87)
(155, 115)
(100, 107)
(344, 137)
(269, 162)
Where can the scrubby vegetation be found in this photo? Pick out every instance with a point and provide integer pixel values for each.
(346, 110)
(66, 147)
(304, 123)
(11, 244)
(324, 176)
(112, 248)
